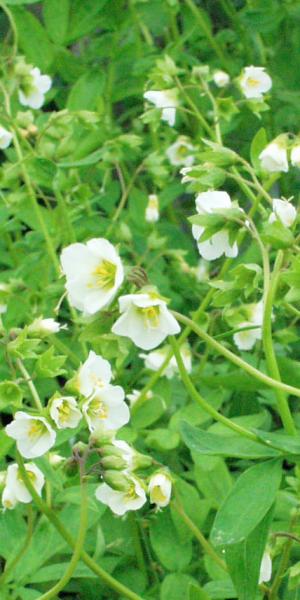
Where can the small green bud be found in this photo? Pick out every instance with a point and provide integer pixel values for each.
(142, 461)
(110, 450)
(117, 481)
(113, 462)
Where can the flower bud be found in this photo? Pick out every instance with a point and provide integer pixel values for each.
(101, 437)
(117, 481)
(274, 157)
(221, 78)
(113, 462)
(160, 489)
(141, 461)
(152, 209)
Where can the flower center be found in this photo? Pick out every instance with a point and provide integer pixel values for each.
(64, 411)
(157, 494)
(150, 316)
(252, 82)
(131, 493)
(104, 275)
(36, 429)
(98, 409)
(182, 151)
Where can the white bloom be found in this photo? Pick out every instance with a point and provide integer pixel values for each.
(65, 412)
(155, 359)
(34, 435)
(5, 138)
(152, 209)
(255, 82)
(165, 99)
(46, 326)
(160, 489)
(274, 157)
(135, 394)
(245, 340)
(145, 319)
(221, 78)
(55, 459)
(218, 244)
(284, 211)
(180, 153)
(106, 408)
(128, 453)
(94, 373)
(265, 568)
(295, 155)
(15, 489)
(94, 273)
(34, 88)
(121, 502)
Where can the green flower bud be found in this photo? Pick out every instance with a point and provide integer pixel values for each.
(113, 462)
(117, 481)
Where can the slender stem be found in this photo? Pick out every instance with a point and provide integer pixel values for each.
(31, 386)
(205, 28)
(52, 517)
(137, 545)
(208, 549)
(270, 292)
(236, 359)
(13, 27)
(196, 111)
(79, 544)
(10, 566)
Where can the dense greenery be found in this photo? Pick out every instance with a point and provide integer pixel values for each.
(215, 415)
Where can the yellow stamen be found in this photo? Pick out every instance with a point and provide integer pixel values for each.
(157, 495)
(104, 275)
(150, 316)
(36, 429)
(252, 82)
(98, 409)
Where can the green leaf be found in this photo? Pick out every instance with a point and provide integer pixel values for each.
(148, 413)
(162, 439)
(220, 590)
(10, 395)
(56, 19)
(177, 586)
(85, 17)
(248, 502)
(86, 92)
(202, 442)
(42, 171)
(173, 553)
(258, 143)
(277, 235)
(33, 39)
(49, 364)
(244, 559)
(283, 442)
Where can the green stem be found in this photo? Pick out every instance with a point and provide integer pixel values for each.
(79, 544)
(236, 360)
(270, 288)
(31, 386)
(121, 589)
(196, 111)
(205, 29)
(65, 219)
(137, 545)
(10, 566)
(13, 27)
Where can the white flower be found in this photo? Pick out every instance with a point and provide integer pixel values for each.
(295, 155)
(128, 453)
(34, 88)
(46, 326)
(284, 211)
(106, 408)
(94, 373)
(165, 99)
(121, 502)
(265, 568)
(274, 157)
(34, 435)
(221, 78)
(94, 273)
(65, 412)
(145, 319)
(152, 209)
(160, 489)
(218, 244)
(155, 359)
(179, 153)
(255, 82)
(135, 394)
(15, 489)
(5, 138)
(245, 340)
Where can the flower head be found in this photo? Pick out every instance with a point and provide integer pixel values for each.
(5, 138)
(15, 489)
(283, 211)
(167, 101)
(265, 568)
(34, 435)
(160, 489)
(145, 319)
(94, 373)
(33, 88)
(65, 412)
(94, 273)
(155, 359)
(152, 209)
(181, 152)
(274, 157)
(219, 243)
(255, 82)
(106, 408)
(132, 498)
(221, 78)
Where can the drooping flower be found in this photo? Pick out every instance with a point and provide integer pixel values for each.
(265, 568)
(155, 359)
(15, 489)
(255, 82)
(34, 435)
(152, 209)
(160, 489)
(181, 152)
(295, 155)
(283, 211)
(65, 412)
(218, 243)
(106, 408)
(94, 273)
(221, 78)
(166, 100)
(120, 502)
(94, 373)
(274, 157)
(5, 138)
(245, 340)
(33, 88)
(145, 319)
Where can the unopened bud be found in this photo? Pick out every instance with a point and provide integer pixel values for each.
(142, 461)
(113, 462)
(32, 130)
(138, 276)
(117, 481)
(100, 437)
(110, 450)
